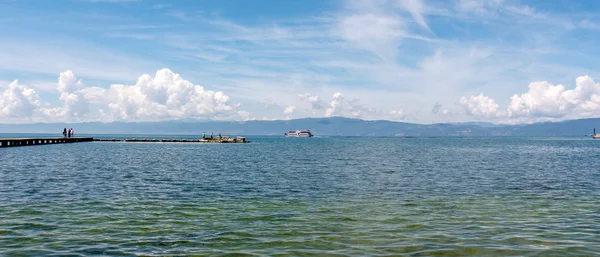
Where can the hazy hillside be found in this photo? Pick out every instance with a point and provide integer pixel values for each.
(319, 126)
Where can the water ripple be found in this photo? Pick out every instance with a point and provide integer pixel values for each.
(327, 196)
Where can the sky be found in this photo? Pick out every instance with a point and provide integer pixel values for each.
(501, 61)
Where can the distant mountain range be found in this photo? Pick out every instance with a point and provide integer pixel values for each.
(336, 126)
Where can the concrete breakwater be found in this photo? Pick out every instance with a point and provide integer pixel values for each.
(10, 142)
(204, 140)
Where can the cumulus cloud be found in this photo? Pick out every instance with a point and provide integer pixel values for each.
(68, 83)
(481, 106)
(168, 96)
(335, 106)
(164, 96)
(18, 101)
(289, 110)
(72, 95)
(547, 100)
(339, 106)
(542, 101)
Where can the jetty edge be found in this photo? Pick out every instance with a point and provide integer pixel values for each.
(223, 139)
(10, 142)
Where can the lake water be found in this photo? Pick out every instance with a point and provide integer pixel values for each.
(335, 196)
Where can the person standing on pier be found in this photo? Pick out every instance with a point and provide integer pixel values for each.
(211, 135)
(72, 132)
(65, 132)
(69, 133)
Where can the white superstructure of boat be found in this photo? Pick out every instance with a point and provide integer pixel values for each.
(299, 133)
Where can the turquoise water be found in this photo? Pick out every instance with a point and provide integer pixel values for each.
(331, 196)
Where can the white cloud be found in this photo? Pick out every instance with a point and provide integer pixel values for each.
(546, 100)
(481, 106)
(289, 110)
(164, 96)
(339, 106)
(18, 101)
(543, 101)
(68, 83)
(377, 50)
(335, 106)
(168, 96)
(75, 105)
(75, 99)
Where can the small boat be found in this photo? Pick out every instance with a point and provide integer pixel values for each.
(299, 133)
(595, 136)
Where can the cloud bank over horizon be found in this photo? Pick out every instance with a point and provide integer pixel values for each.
(417, 61)
(167, 96)
(164, 96)
(542, 102)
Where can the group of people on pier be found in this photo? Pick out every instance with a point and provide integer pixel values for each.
(68, 132)
(211, 135)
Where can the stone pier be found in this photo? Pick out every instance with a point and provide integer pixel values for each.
(9, 142)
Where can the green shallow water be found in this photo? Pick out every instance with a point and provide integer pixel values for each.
(531, 226)
(323, 197)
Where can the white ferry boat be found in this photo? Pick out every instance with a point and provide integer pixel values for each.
(299, 133)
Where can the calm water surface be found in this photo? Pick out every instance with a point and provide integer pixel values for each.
(304, 197)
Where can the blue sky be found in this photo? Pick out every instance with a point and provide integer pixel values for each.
(407, 60)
